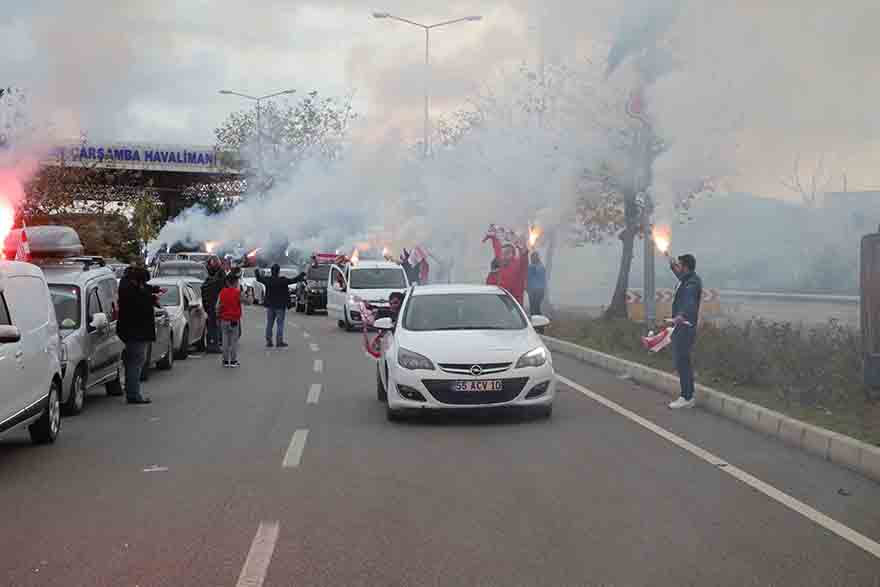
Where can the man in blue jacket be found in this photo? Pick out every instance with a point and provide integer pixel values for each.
(537, 284)
(685, 316)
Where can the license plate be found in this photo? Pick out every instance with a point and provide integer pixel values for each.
(477, 386)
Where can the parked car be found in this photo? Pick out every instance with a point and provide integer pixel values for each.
(86, 300)
(183, 304)
(311, 294)
(459, 347)
(30, 353)
(252, 291)
(160, 354)
(192, 271)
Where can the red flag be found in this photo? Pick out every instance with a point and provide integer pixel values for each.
(23, 252)
(657, 342)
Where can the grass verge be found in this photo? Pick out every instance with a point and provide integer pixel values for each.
(812, 373)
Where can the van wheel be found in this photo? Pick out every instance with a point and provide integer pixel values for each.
(77, 398)
(115, 387)
(183, 351)
(148, 362)
(168, 362)
(341, 324)
(46, 429)
(381, 394)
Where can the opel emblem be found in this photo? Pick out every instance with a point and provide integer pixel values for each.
(476, 370)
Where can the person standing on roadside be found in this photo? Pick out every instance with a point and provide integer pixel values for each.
(537, 284)
(210, 294)
(136, 327)
(277, 300)
(685, 317)
(229, 313)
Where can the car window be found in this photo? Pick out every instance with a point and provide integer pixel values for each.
(109, 296)
(93, 305)
(170, 297)
(319, 273)
(4, 312)
(379, 278)
(463, 312)
(66, 300)
(28, 302)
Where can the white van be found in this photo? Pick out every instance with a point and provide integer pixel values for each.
(30, 347)
(371, 281)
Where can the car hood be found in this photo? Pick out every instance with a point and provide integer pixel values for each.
(470, 346)
(374, 295)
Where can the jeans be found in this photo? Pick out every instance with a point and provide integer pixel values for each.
(275, 316)
(536, 298)
(135, 356)
(231, 333)
(682, 344)
(213, 328)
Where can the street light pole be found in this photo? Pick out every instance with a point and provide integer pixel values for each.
(259, 129)
(427, 28)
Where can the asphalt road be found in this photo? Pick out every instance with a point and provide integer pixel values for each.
(257, 476)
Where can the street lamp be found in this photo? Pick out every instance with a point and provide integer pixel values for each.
(258, 99)
(427, 28)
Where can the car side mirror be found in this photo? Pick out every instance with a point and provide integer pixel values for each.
(383, 324)
(99, 321)
(539, 321)
(9, 334)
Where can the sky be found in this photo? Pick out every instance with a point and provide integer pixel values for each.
(798, 77)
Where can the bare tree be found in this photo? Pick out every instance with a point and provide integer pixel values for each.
(811, 183)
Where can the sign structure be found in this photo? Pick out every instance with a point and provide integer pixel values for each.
(140, 156)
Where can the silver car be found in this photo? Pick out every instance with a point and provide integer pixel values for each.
(187, 315)
(86, 300)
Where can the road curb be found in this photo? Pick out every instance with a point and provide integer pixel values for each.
(843, 450)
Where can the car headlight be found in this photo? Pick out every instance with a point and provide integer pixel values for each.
(534, 358)
(410, 360)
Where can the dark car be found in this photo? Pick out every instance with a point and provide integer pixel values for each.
(311, 293)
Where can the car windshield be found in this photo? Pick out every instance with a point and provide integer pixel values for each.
(463, 312)
(65, 298)
(182, 270)
(170, 296)
(379, 278)
(319, 273)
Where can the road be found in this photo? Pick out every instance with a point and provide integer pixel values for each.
(257, 476)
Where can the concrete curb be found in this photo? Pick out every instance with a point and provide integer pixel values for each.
(843, 450)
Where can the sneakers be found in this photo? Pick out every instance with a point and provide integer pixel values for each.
(269, 344)
(235, 364)
(682, 403)
(282, 345)
(226, 364)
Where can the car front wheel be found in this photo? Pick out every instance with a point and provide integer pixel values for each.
(381, 394)
(46, 429)
(75, 401)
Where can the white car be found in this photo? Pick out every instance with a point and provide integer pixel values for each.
(30, 353)
(187, 315)
(464, 346)
(371, 281)
(252, 291)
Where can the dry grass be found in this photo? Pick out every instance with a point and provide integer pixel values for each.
(813, 373)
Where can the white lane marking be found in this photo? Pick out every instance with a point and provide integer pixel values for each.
(155, 469)
(319, 366)
(306, 334)
(295, 450)
(315, 348)
(314, 393)
(788, 501)
(256, 565)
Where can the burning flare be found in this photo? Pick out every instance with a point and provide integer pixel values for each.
(385, 252)
(253, 253)
(662, 238)
(355, 256)
(7, 218)
(534, 235)
(210, 246)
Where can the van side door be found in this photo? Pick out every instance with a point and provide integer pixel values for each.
(11, 368)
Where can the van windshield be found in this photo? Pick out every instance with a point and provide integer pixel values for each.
(379, 278)
(65, 298)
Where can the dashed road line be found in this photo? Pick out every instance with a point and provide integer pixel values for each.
(295, 450)
(788, 501)
(256, 565)
(315, 348)
(314, 393)
(319, 366)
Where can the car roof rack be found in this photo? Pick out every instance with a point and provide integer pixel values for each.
(87, 261)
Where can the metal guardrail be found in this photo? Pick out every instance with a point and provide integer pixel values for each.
(727, 294)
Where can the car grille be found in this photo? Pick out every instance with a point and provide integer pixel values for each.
(465, 368)
(441, 389)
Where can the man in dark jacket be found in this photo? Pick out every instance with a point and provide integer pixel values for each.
(136, 327)
(537, 284)
(685, 316)
(277, 299)
(210, 293)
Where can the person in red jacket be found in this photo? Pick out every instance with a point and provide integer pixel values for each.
(513, 267)
(229, 313)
